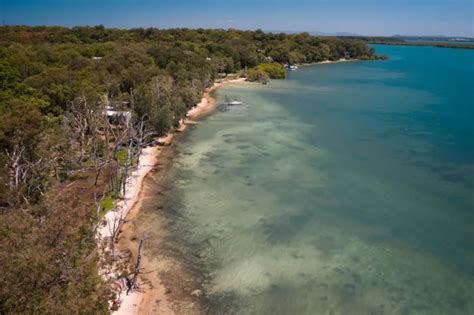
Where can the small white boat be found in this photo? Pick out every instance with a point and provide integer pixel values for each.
(229, 102)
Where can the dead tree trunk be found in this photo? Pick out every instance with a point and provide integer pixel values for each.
(115, 179)
(114, 228)
(16, 169)
(128, 163)
(141, 134)
(136, 271)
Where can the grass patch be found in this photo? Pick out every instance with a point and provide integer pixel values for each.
(107, 204)
(122, 156)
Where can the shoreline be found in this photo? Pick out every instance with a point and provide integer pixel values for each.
(325, 62)
(150, 292)
(208, 103)
(140, 300)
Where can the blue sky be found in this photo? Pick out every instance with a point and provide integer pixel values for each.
(365, 17)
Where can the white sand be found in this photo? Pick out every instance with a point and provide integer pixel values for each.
(147, 161)
(330, 61)
(131, 303)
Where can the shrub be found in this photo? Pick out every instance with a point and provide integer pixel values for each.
(257, 75)
(274, 70)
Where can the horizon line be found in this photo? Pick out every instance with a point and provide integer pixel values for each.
(313, 33)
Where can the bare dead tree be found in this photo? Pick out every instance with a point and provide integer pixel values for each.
(108, 133)
(77, 119)
(114, 228)
(24, 172)
(86, 118)
(140, 137)
(128, 163)
(17, 169)
(161, 87)
(119, 136)
(132, 284)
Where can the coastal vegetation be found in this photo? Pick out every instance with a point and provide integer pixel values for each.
(257, 75)
(76, 107)
(265, 71)
(274, 70)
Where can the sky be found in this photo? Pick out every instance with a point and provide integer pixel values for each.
(363, 17)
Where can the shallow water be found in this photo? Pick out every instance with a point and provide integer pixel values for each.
(345, 189)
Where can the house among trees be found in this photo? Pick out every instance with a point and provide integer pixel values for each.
(116, 116)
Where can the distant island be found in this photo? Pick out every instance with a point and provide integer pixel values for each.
(434, 41)
(403, 40)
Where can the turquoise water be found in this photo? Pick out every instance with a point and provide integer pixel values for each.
(345, 189)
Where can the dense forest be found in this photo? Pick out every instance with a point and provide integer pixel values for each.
(63, 161)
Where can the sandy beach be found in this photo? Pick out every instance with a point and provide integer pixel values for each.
(208, 103)
(152, 296)
(325, 62)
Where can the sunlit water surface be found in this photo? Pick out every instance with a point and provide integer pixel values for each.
(345, 189)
